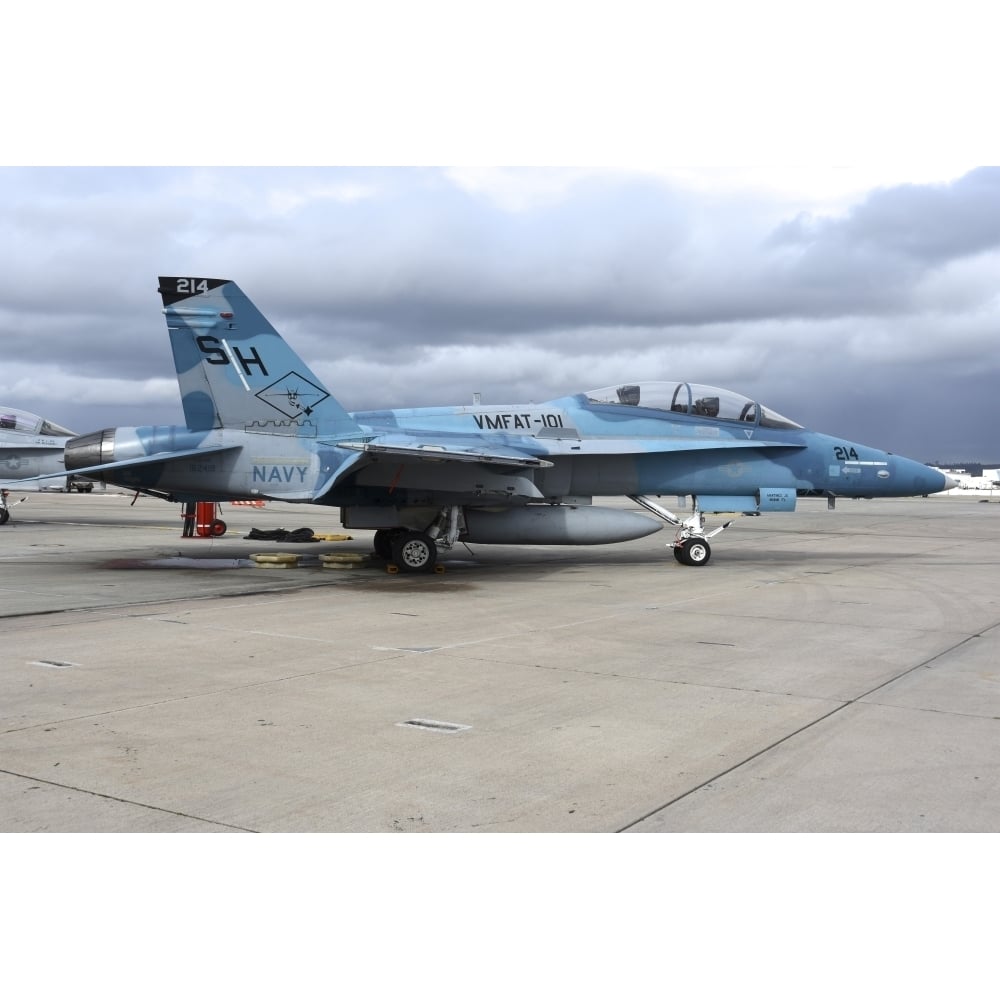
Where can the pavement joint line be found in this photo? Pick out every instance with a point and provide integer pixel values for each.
(624, 610)
(128, 802)
(919, 605)
(84, 609)
(204, 694)
(537, 629)
(802, 729)
(934, 711)
(680, 683)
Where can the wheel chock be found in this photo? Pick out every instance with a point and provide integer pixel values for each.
(342, 560)
(275, 560)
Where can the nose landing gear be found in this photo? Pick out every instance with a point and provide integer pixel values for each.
(692, 551)
(690, 544)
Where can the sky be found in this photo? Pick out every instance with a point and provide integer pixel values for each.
(781, 199)
(859, 301)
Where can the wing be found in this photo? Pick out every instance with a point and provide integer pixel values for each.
(466, 450)
(645, 446)
(533, 450)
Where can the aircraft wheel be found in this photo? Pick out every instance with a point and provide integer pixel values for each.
(217, 528)
(414, 552)
(4, 516)
(695, 552)
(382, 542)
(678, 554)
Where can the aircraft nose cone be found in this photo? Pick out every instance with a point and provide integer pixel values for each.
(916, 479)
(934, 481)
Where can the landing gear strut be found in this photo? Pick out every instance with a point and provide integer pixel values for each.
(690, 544)
(415, 551)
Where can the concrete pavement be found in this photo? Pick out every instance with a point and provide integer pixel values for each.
(827, 671)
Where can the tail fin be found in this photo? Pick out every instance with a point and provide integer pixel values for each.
(234, 369)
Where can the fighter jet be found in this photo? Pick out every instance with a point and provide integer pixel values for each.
(30, 446)
(260, 424)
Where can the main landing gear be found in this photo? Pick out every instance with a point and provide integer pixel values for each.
(690, 544)
(414, 551)
(411, 551)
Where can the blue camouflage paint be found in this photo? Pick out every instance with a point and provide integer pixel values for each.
(260, 423)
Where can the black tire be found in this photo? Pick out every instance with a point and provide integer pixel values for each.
(678, 554)
(695, 552)
(4, 516)
(217, 528)
(414, 552)
(382, 542)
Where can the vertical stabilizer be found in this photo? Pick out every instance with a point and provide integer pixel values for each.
(235, 370)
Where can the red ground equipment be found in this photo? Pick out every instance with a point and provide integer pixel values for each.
(208, 524)
(204, 519)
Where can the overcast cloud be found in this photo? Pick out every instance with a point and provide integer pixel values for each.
(870, 312)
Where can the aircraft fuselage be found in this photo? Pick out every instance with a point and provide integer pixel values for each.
(261, 424)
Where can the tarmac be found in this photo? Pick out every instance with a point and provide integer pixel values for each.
(826, 671)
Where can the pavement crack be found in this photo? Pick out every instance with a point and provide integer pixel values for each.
(129, 802)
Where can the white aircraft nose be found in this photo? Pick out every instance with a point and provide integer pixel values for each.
(950, 484)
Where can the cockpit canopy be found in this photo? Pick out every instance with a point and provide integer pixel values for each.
(696, 400)
(23, 422)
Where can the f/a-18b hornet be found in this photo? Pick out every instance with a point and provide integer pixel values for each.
(30, 446)
(260, 424)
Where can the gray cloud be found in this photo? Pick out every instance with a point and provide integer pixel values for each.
(408, 287)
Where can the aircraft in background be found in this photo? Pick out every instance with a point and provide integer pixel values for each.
(30, 446)
(260, 424)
